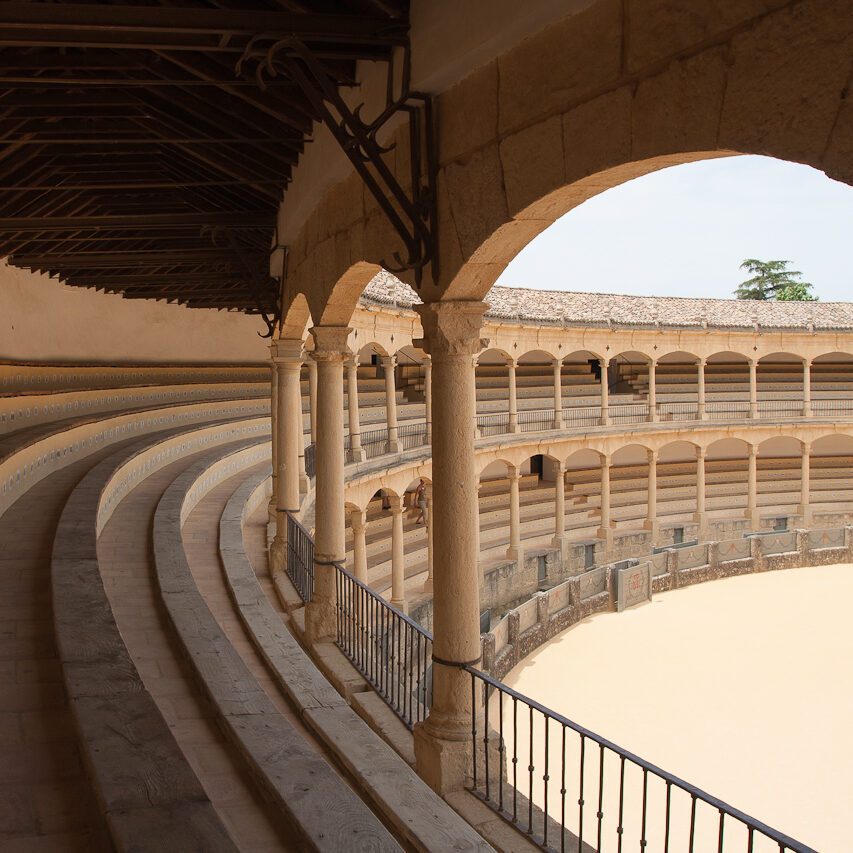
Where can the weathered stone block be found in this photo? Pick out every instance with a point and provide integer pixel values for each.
(532, 162)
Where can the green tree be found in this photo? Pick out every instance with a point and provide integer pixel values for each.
(773, 280)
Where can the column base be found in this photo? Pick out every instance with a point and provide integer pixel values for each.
(400, 605)
(272, 507)
(428, 585)
(557, 422)
(304, 484)
(560, 542)
(278, 556)
(605, 533)
(357, 454)
(393, 445)
(700, 412)
(320, 624)
(653, 527)
(443, 763)
(516, 552)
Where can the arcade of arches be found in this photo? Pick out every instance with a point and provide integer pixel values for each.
(537, 422)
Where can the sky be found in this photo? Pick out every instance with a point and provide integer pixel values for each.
(684, 231)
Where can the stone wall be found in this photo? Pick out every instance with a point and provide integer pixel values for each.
(596, 590)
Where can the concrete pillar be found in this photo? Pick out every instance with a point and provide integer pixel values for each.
(807, 387)
(752, 488)
(358, 521)
(805, 485)
(652, 505)
(273, 502)
(753, 388)
(356, 453)
(653, 395)
(700, 493)
(605, 532)
(700, 388)
(389, 362)
(428, 583)
(288, 358)
(561, 539)
(312, 398)
(428, 397)
(515, 551)
(605, 392)
(330, 353)
(558, 393)
(442, 741)
(513, 398)
(398, 555)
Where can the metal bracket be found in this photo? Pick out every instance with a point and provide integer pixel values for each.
(267, 299)
(413, 214)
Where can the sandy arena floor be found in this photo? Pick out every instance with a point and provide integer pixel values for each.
(743, 687)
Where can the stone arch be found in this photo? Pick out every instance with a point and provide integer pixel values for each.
(335, 306)
(295, 319)
(678, 450)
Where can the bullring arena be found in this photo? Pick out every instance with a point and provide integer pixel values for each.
(263, 593)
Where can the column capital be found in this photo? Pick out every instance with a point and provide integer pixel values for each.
(396, 504)
(702, 360)
(700, 452)
(330, 343)
(357, 520)
(286, 350)
(806, 447)
(351, 363)
(452, 328)
(388, 360)
(753, 450)
(652, 455)
(514, 472)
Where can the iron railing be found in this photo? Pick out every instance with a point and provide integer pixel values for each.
(840, 406)
(374, 442)
(412, 435)
(678, 411)
(390, 650)
(780, 408)
(582, 416)
(570, 789)
(300, 558)
(495, 424)
(532, 420)
(311, 460)
(717, 410)
(630, 413)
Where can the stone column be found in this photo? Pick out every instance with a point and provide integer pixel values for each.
(300, 431)
(700, 493)
(330, 353)
(700, 389)
(389, 362)
(605, 392)
(561, 539)
(558, 393)
(752, 488)
(356, 452)
(312, 398)
(651, 522)
(653, 393)
(513, 397)
(428, 397)
(515, 551)
(805, 485)
(443, 740)
(605, 532)
(428, 583)
(398, 555)
(288, 358)
(753, 388)
(807, 387)
(274, 428)
(358, 521)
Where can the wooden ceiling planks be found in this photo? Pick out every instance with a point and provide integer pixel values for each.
(134, 159)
